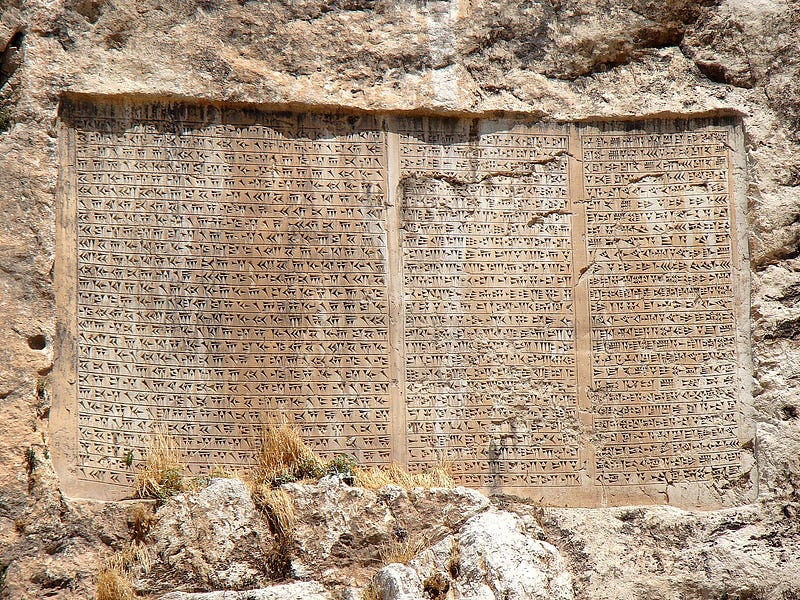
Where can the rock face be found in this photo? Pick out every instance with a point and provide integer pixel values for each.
(531, 186)
(214, 539)
(456, 544)
(341, 531)
(561, 60)
(668, 553)
(287, 591)
(217, 539)
(491, 557)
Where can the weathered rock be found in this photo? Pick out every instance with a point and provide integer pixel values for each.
(562, 60)
(339, 529)
(213, 539)
(342, 531)
(61, 549)
(490, 557)
(667, 553)
(307, 590)
(217, 539)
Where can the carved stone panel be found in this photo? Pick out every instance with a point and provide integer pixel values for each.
(559, 311)
(666, 303)
(489, 308)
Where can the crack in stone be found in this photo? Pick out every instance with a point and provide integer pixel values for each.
(584, 272)
(456, 181)
(539, 217)
(646, 176)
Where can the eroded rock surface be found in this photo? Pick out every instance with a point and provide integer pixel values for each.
(560, 60)
(341, 531)
(285, 591)
(453, 539)
(212, 539)
(491, 557)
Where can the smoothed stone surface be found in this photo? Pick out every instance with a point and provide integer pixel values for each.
(561, 62)
(557, 311)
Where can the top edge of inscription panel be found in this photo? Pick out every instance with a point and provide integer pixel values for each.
(559, 311)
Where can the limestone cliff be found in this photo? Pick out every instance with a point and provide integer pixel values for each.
(559, 60)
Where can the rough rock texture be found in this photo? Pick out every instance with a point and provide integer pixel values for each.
(668, 553)
(341, 531)
(491, 557)
(214, 539)
(561, 59)
(286, 591)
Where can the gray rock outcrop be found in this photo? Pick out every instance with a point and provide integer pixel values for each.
(213, 539)
(286, 591)
(492, 557)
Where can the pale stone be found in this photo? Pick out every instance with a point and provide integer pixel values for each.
(215, 538)
(398, 582)
(287, 591)
(619, 243)
(341, 531)
(562, 61)
(490, 558)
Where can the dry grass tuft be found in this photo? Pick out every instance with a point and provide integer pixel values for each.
(454, 562)
(133, 557)
(375, 478)
(163, 474)
(278, 506)
(222, 472)
(140, 521)
(436, 586)
(401, 551)
(113, 584)
(114, 580)
(284, 456)
(279, 561)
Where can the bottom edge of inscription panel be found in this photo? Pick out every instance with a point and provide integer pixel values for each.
(687, 495)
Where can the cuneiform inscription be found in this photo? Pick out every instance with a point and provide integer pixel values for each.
(555, 310)
(663, 331)
(230, 271)
(489, 328)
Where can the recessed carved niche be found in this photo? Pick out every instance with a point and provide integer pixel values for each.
(558, 310)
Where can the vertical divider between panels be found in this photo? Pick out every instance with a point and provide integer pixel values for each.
(394, 256)
(581, 270)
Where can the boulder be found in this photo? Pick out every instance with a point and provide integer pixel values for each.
(212, 539)
(342, 532)
(492, 557)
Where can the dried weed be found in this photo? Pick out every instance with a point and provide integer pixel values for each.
(279, 508)
(284, 456)
(164, 473)
(140, 522)
(114, 584)
(436, 586)
(371, 592)
(135, 557)
(454, 562)
(114, 580)
(374, 478)
(401, 551)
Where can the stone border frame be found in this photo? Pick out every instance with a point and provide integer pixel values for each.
(63, 414)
